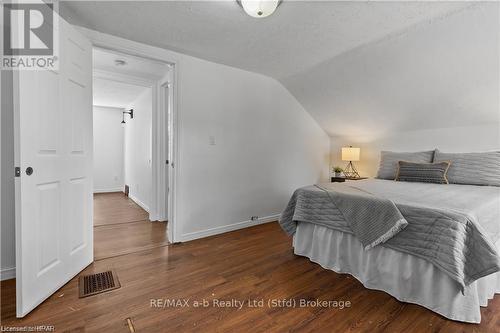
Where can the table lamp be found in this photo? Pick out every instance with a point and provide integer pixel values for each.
(350, 154)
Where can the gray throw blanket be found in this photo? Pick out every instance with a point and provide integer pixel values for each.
(450, 240)
(373, 220)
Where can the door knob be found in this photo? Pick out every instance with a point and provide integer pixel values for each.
(29, 171)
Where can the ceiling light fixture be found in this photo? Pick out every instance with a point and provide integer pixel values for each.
(259, 8)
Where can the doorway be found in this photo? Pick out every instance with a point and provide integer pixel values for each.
(130, 210)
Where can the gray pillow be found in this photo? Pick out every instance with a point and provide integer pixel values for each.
(389, 161)
(423, 172)
(472, 168)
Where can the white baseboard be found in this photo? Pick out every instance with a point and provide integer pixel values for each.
(139, 202)
(109, 190)
(7, 273)
(226, 228)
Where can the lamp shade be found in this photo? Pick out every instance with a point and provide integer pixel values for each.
(350, 154)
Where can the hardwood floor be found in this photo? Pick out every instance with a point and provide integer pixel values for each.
(114, 240)
(116, 208)
(121, 227)
(255, 263)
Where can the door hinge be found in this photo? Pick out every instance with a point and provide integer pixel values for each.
(17, 171)
(166, 162)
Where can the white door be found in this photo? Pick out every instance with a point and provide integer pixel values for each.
(53, 124)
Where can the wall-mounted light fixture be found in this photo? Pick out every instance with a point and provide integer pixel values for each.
(130, 112)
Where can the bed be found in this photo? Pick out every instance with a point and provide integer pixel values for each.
(445, 258)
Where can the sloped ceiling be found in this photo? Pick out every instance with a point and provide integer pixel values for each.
(356, 67)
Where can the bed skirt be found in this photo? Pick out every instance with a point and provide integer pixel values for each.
(405, 277)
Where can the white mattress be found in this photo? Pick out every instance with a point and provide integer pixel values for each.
(406, 277)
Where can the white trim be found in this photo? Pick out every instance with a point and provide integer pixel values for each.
(109, 190)
(174, 227)
(162, 198)
(107, 107)
(122, 78)
(155, 157)
(7, 273)
(140, 203)
(17, 182)
(119, 53)
(228, 227)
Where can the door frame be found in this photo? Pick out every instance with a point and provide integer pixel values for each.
(121, 45)
(164, 174)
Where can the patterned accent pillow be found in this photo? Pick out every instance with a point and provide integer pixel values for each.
(423, 172)
(389, 161)
(472, 168)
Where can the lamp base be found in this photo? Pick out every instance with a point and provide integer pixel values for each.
(350, 171)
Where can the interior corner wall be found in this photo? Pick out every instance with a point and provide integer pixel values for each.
(245, 145)
(138, 150)
(455, 139)
(7, 241)
(108, 149)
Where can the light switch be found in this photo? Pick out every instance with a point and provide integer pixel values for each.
(211, 140)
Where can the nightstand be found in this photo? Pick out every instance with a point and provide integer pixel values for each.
(343, 179)
(337, 179)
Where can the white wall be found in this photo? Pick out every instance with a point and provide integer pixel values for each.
(457, 139)
(108, 149)
(266, 145)
(7, 237)
(138, 150)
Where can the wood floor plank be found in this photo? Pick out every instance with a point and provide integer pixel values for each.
(116, 208)
(120, 239)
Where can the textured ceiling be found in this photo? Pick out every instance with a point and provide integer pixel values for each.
(343, 61)
(299, 35)
(436, 75)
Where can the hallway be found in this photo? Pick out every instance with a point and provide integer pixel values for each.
(122, 227)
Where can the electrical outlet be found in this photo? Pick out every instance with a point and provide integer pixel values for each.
(211, 140)
(254, 218)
